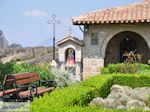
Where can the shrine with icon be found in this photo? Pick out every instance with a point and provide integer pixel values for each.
(70, 53)
(70, 56)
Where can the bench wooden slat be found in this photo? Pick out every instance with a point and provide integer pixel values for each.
(10, 91)
(18, 74)
(25, 75)
(10, 79)
(1, 94)
(40, 91)
(27, 81)
(7, 92)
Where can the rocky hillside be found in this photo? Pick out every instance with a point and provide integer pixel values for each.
(32, 55)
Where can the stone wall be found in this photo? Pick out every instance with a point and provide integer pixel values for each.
(105, 33)
(91, 66)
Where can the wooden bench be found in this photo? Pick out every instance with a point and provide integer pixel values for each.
(24, 87)
(6, 91)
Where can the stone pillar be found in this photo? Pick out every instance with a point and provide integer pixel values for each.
(92, 67)
(53, 64)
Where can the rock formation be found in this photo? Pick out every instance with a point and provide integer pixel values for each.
(15, 46)
(124, 98)
(3, 41)
(31, 55)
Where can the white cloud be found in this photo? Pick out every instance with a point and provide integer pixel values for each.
(35, 13)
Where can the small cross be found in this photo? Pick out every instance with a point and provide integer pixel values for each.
(70, 30)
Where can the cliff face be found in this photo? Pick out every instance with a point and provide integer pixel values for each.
(3, 41)
(29, 54)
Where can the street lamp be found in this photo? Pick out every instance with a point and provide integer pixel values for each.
(53, 21)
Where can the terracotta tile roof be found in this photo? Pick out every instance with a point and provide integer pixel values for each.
(69, 38)
(136, 12)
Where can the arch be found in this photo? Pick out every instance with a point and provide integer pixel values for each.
(143, 32)
(125, 42)
(70, 56)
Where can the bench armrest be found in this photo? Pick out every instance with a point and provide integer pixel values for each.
(1, 87)
(33, 90)
(51, 82)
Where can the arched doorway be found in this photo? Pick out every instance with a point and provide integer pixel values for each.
(125, 41)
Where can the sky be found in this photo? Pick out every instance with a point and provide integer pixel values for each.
(25, 21)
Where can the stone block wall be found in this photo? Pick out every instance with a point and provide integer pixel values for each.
(94, 55)
(91, 67)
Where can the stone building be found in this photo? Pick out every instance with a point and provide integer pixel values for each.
(70, 54)
(108, 33)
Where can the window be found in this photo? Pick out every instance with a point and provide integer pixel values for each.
(94, 39)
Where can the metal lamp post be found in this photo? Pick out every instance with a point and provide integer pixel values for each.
(53, 22)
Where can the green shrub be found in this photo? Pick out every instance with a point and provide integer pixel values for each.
(18, 59)
(6, 68)
(44, 72)
(113, 68)
(125, 68)
(76, 98)
(143, 71)
(50, 52)
(104, 70)
(12, 67)
(132, 80)
(73, 96)
(64, 77)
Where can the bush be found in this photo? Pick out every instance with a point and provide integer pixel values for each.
(12, 68)
(142, 71)
(125, 68)
(18, 59)
(44, 72)
(63, 77)
(104, 70)
(113, 68)
(76, 98)
(132, 80)
(77, 95)
(6, 68)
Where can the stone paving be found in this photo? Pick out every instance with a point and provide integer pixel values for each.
(14, 106)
